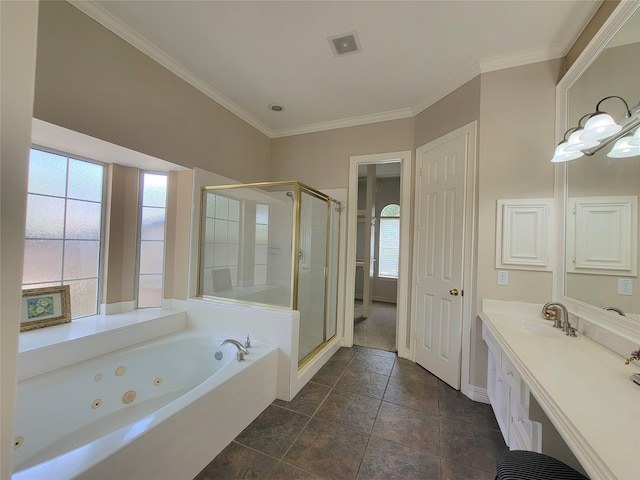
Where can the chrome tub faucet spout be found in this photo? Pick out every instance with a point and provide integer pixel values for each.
(241, 350)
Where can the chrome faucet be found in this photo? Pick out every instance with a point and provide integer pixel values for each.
(550, 312)
(241, 350)
(615, 309)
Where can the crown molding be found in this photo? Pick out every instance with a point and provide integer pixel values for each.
(518, 59)
(115, 25)
(345, 122)
(448, 87)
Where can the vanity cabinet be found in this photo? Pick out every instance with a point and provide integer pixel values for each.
(509, 397)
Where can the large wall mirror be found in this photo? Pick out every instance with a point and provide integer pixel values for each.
(600, 193)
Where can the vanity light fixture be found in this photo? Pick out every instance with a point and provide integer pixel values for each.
(599, 131)
(635, 140)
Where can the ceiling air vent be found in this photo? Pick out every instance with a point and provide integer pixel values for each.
(345, 44)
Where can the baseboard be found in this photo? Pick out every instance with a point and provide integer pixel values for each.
(379, 299)
(476, 394)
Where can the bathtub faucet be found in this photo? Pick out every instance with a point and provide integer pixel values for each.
(242, 351)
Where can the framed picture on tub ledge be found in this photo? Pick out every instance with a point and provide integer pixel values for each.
(44, 307)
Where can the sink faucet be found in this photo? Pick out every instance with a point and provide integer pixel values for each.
(550, 312)
(241, 350)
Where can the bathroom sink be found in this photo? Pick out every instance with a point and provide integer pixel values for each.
(531, 326)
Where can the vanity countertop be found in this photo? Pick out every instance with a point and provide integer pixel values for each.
(583, 388)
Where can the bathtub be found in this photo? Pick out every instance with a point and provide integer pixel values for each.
(160, 409)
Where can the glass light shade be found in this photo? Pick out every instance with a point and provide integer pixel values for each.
(561, 155)
(577, 143)
(622, 149)
(599, 126)
(635, 140)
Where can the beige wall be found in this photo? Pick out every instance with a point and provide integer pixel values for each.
(18, 22)
(516, 142)
(121, 234)
(176, 260)
(91, 81)
(457, 109)
(517, 139)
(321, 159)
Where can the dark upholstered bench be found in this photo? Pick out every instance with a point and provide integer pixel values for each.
(523, 465)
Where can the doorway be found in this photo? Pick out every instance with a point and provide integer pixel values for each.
(368, 303)
(377, 256)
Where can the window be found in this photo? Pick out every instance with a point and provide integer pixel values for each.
(389, 245)
(221, 238)
(262, 244)
(152, 234)
(63, 236)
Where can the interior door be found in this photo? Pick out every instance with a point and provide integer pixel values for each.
(440, 249)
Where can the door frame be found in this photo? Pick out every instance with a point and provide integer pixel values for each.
(404, 272)
(469, 261)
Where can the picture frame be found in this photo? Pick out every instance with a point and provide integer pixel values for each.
(45, 307)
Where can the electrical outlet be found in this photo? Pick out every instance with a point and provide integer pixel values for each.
(503, 277)
(625, 286)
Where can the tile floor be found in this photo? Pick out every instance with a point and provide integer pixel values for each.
(367, 414)
(379, 329)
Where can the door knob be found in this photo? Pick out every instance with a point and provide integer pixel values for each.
(454, 292)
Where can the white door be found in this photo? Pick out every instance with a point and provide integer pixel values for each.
(440, 212)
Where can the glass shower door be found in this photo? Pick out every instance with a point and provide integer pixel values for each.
(312, 256)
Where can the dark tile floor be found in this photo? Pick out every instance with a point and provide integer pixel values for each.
(367, 414)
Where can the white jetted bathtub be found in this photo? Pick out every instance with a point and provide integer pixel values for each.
(161, 409)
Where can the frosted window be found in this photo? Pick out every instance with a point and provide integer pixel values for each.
(84, 220)
(151, 257)
(220, 255)
(42, 261)
(222, 208)
(48, 173)
(211, 205)
(45, 217)
(85, 180)
(153, 220)
(209, 230)
(152, 236)
(220, 231)
(84, 296)
(262, 214)
(150, 290)
(81, 258)
(262, 234)
(63, 232)
(154, 193)
(234, 210)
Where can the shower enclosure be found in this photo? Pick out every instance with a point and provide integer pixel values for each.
(276, 244)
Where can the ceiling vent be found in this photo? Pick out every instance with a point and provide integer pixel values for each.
(345, 44)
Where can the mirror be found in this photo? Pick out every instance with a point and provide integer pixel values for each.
(601, 195)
